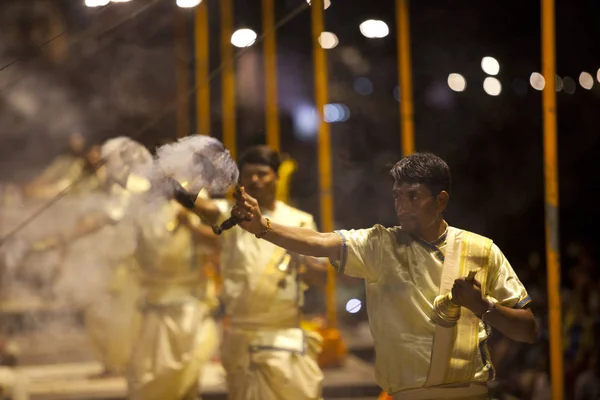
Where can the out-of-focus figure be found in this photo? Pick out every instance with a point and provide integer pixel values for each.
(65, 170)
(152, 320)
(32, 257)
(580, 315)
(178, 334)
(587, 386)
(102, 244)
(265, 352)
(112, 320)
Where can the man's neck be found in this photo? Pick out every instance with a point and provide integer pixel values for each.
(436, 230)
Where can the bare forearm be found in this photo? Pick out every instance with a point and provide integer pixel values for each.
(517, 324)
(304, 241)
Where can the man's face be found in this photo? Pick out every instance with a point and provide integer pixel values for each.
(94, 156)
(76, 143)
(416, 207)
(260, 181)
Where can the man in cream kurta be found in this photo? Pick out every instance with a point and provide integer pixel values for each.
(400, 301)
(103, 241)
(405, 268)
(178, 335)
(112, 320)
(266, 355)
(264, 351)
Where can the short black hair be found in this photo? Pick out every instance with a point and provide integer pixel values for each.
(423, 168)
(261, 155)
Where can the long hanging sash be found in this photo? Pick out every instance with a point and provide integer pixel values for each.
(267, 286)
(453, 348)
(444, 337)
(464, 362)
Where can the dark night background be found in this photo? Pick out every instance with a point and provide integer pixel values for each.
(117, 81)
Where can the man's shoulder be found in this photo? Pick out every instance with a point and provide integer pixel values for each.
(477, 243)
(376, 232)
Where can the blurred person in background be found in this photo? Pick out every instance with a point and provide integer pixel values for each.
(581, 317)
(65, 170)
(110, 314)
(265, 352)
(521, 369)
(113, 333)
(587, 386)
(178, 335)
(404, 268)
(33, 256)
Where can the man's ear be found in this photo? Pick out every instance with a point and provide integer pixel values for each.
(442, 201)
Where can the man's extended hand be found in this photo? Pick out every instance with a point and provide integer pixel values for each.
(247, 210)
(467, 293)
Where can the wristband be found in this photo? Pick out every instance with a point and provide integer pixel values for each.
(491, 306)
(265, 231)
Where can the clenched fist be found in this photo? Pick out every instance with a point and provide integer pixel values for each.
(467, 293)
(247, 210)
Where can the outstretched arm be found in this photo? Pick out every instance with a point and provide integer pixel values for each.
(84, 226)
(299, 240)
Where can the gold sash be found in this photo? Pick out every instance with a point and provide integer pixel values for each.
(452, 355)
(268, 284)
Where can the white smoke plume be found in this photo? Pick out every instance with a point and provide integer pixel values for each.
(201, 161)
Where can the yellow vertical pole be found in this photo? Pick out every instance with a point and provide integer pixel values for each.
(405, 77)
(202, 66)
(270, 61)
(325, 174)
(228, 114)
(181, 73)
(58, 46)
(551, 197)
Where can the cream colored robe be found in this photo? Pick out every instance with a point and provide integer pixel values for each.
(402, 278)
(265, 353)
(178, 335)
(113, 319)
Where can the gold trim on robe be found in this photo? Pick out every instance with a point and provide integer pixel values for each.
(266, 355)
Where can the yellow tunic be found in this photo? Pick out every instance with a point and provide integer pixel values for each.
(402, 278)
(178, 336)
(265, 353)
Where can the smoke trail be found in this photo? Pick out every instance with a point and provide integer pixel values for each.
(201, 161)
